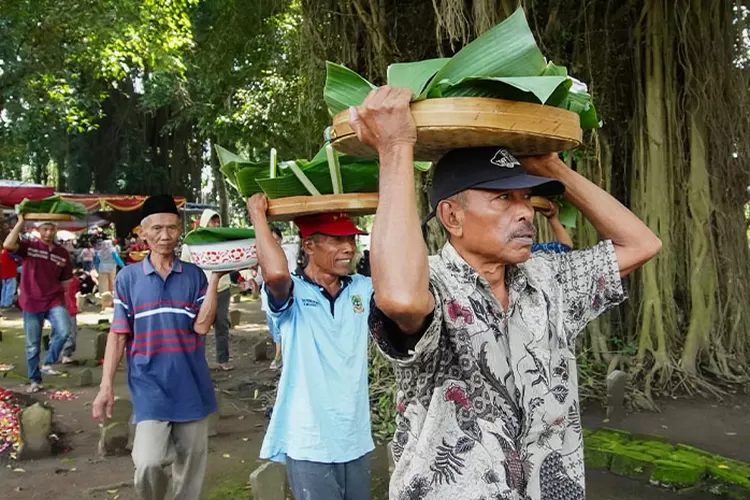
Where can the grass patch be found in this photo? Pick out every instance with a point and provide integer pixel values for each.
(229, 489)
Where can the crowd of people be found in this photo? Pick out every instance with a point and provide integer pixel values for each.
(481, 336)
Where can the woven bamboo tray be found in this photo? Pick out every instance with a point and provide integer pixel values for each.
(460, 122)
(48, 217)
(296, 206)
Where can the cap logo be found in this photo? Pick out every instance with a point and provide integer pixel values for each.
(504, 159)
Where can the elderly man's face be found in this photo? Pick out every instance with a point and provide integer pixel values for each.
(498, 225)
(332, 254)
(161, 231)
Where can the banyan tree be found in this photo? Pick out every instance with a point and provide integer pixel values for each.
(670, 83)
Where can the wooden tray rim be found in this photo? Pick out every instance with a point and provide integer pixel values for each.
(47, 217)
(353, 203)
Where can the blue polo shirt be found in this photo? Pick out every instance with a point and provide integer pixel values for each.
(168, 374)
(322, 410)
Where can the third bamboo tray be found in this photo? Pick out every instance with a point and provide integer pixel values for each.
(461, 122)
(296, 206)
(48, 217)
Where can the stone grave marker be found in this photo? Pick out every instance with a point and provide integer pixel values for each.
(101, 345)
(85, 378)
(268, 482)
(617, 382)
(36, 427)
(235, 315)
(116, 434)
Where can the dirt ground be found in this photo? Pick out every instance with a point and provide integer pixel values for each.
(720, 427)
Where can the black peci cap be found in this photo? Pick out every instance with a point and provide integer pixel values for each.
(159, 204)
(490, 168)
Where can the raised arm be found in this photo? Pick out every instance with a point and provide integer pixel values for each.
(398, 255)
(635, 244)
(206, 316)
(271, 257)
(11, 241)
(561, 235)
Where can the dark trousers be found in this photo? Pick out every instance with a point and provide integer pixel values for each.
(221, 327)
(324, 481)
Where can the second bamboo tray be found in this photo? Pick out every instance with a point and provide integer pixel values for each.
(297, 206)
(461, 122)
(48, 217)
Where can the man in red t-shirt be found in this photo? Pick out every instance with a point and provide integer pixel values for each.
(8, 275)
(45, 270)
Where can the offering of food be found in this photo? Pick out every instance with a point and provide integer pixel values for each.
(499, 90)
(53, 208)
(222, 248)
(330, 182)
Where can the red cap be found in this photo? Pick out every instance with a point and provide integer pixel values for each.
(333, 224)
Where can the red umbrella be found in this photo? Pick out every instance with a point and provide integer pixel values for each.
(13, 192)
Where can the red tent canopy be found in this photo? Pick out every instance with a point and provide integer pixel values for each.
(118, 202)
(13, 192)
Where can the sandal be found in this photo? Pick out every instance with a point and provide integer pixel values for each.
(67, 361)
(226, 367)
(34, 387)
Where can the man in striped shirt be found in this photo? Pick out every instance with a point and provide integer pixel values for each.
(164, 307)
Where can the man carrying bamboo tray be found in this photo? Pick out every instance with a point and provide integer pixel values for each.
(482, 335)
(45, 271)
(320, 424)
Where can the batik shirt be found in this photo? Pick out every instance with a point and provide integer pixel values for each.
(488, 399)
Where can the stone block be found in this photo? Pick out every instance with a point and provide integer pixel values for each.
(617, 382)
(113, 439)
(85, 378)
(213, 419)
(107, 300)
(260, 350)
(268, 482)
(36, 426)
(235, 315)
(101, 345)
(80, 301)
(236, 298)
(677, 475)
(117, 434)
(632, 464)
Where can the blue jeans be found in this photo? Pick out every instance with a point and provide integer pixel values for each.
(8, 292)
(32, 328)
(321, 481)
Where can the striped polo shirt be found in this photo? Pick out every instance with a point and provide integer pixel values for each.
(168, 374)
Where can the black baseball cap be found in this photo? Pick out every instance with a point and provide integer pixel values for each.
(490, 168)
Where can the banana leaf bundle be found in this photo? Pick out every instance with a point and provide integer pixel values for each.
(52, 205)
(503, 63)
(329, 172)
(203, 235)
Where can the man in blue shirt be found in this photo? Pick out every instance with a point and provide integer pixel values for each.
(164, 307)
(320, 424)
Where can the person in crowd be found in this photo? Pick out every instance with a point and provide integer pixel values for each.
(210, 218)
(363, 266)
(9, 276)
(72, 289)
(292, 265)
(106, 262)
(87, 257)
(46, 269)
(482, 336)
(320, 425)
(168, 376)
(563, 243)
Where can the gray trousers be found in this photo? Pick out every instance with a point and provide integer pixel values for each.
(323, 481)
(221, 326)
(183, 445)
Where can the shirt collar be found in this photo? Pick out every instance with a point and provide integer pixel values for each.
(468, 277)
(148, 267)
(345, 280)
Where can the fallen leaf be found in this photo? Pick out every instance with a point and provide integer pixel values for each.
(241, 417)
(255, 395)
(242, 461)
(111, 492)
(723, 467)
(226, 455)
(116, 497)
(606, 420)
(730, 433)
(19, 470)
(244, 439)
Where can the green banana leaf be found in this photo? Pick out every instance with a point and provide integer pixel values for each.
(357, 177)
(201, 235)
(52, 205)
(568, 214)
(350, 89)
(414, 75)
(505, 63)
